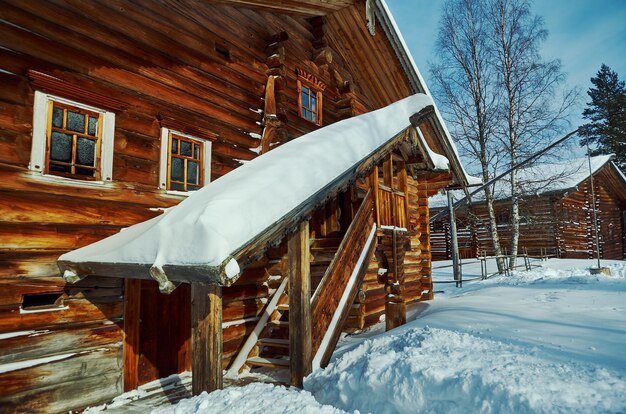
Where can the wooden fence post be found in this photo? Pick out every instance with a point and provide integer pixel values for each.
(300, 353)
(206, 337)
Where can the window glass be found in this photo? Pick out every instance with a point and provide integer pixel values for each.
(310, 103)
(85, 151)
(93, 125)
(71, 139)
(185, 163)
(75, 121)
(61, 147)
(73, 142)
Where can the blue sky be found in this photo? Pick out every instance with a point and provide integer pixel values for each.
(583, 35)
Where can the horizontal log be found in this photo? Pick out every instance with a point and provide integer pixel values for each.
(20, 179)
(67, 395)
(39, 344)
(12, 290)
(77, 310)
(43, 209)
(36, 236)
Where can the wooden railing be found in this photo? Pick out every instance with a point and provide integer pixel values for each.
(333, 297)
(391, 207)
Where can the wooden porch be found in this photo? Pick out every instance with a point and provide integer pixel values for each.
(365, 210)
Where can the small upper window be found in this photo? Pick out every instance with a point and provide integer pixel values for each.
(309, 102)
(71, 139)
(185, 161)
(310, 97)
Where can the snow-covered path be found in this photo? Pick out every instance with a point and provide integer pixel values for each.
(551, 340)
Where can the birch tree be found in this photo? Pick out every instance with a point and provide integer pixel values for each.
(498, 94)
(532, 110)
(465, 81)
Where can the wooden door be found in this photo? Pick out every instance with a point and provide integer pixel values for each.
(158, 332)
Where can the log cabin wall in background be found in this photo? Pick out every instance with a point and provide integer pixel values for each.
(197, 69)
(559, 223)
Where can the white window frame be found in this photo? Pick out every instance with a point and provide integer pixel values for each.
(40, 125)
(165, 151)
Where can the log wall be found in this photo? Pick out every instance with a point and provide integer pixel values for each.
(560, 225)
(417, 283)
(201, 69)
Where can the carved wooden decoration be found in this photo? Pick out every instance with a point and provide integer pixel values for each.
(310, 79)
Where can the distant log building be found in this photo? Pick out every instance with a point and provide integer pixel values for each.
(113, 111)
(556, 214)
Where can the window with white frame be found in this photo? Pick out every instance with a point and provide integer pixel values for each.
(71, 140)
(185, 161)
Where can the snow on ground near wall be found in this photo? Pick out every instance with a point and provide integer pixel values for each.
(549, 340)
(253, 398)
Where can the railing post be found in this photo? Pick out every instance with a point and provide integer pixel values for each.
(206, 337)
(300, 352)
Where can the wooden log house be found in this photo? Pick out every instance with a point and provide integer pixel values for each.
(556, 216)
(113, 111)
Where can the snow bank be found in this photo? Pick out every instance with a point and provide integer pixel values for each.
(211, 224)
(440, 371)
(253, 398)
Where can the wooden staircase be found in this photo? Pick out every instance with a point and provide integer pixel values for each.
(271, 345)
(337, 266)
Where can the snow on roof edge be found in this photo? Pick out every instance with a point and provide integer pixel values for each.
(211, 224)
(439, 161)
(413, 71)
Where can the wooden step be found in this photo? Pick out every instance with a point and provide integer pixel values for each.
(278, 343)
(268, 362)
(281, 324)
(283, 307)
(325, 242)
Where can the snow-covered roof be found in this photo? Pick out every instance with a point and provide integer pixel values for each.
(537, 179)
(206, 229)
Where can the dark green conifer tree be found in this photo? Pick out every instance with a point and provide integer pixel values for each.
(607, 115)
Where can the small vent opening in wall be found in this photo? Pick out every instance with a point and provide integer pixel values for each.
(42, 301)
(222, 51)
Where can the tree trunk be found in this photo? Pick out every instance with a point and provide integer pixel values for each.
(493, 228)
(514, 220)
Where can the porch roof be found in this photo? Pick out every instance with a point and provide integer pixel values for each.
(202, 238)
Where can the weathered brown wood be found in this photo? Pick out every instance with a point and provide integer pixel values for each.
(197, 69)
(78, 310)
(41, 388)
(300, 351)
(131, 333)
(559, 224)
(42, 343)
(305, 7)
(332, 285)
(356, 293)
(395, 312)
(206, 322)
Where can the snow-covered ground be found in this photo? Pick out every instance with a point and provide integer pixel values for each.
(550, 340)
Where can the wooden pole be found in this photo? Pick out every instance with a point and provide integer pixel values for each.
(132, 314)
(206, 337)
(300, 354)
(456, 266)
(593, 208)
